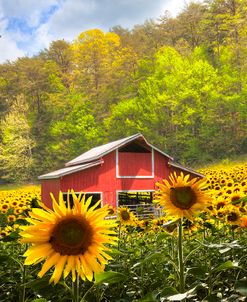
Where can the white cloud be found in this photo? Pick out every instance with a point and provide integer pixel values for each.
(29, 10)
(28, 26)
(9, 50)
(174, 7)
(76, 16)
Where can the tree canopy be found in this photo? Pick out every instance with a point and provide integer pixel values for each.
(181, 81)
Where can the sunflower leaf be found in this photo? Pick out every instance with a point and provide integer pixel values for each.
(153, 256)
(226, 265)
(241, 287)
(149, 297)
(168, 291)
(109, 277)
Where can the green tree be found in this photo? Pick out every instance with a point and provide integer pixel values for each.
(75, 133)
(16, 148)
(184, 107)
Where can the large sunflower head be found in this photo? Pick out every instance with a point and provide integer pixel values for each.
(182, 196)
(69, 239)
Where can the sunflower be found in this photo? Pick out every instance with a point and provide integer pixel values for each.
(220, 203)
(233, 215)
(126, 217)
(111, 211)
(70, 239)
(11, 218)
(182, 197)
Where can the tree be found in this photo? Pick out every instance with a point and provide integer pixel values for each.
(16, 148)
(102, 68)
(184, 107)
(75, 133)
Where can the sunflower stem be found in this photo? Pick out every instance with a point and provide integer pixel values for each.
(180, 256)
(119, 234)
(23, 292)
(76, 289)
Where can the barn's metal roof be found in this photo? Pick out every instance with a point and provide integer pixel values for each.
(183, 168)
(69, 170)
(98, 152)
(94, 156)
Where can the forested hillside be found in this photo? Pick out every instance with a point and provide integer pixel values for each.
(181, 82)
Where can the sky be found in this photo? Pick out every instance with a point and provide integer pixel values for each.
(28, 26)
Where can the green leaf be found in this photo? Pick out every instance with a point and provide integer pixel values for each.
(38, 283)
(160, 237)
(226, 265)
(115, 252)
(40, 300)
(198, 271)
(212, 298)
(109, 277)
(153, 256)
(149, 297)
(168, 291)
(5, 258)
(241, 287)
(11, 237)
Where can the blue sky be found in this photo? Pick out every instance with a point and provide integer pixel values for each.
(28, 26)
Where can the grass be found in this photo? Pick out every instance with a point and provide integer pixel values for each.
(226, 162)
(16, 186)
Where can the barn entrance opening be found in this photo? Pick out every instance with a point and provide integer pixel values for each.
(95, 198)
(141, 203)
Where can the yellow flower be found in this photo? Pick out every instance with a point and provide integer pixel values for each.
(70, 239)
(220, 203)
(182, 197)
(111, 211)
(126, 216)
(11, 218)
(233, 215)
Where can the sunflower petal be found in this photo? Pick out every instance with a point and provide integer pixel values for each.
(58, 269)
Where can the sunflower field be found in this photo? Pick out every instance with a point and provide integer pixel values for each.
(195, 251)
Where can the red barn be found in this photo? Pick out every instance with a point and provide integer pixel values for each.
(117, 173)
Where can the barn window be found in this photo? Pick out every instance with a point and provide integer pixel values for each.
(141, 203)
(95, 198)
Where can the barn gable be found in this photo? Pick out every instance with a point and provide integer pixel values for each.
(98, 152)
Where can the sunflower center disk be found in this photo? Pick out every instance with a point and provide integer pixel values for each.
(232, 217)
(71, 236)
(183, 197)
(125, 215)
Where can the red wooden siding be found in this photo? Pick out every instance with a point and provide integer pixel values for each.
(102, 178)
(49, 186)
(134, 164)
